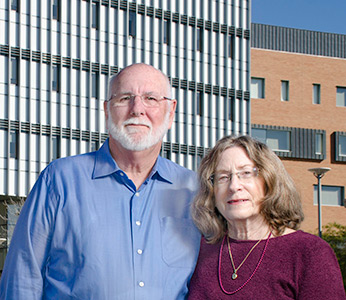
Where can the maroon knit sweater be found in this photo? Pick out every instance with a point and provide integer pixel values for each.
(295, 266)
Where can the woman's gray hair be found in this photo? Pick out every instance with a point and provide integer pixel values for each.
(281, 206)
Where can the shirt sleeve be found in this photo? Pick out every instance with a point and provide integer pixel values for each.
(23, 274)
(321, 277)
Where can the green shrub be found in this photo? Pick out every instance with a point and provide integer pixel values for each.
(335, 235)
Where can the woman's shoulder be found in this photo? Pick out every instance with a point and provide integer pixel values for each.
(302, 236)
(300, 241)
(208, 248)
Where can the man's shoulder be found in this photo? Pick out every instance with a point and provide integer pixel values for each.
(177, 174)
(72, 163)
(176, 169)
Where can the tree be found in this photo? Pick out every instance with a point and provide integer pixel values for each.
(335, 235)
(9, 213)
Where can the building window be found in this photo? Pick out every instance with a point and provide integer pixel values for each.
(14, 70)
(331, 195)
(232, 109)
(341, 96)
(200, 104)
(338, 146)
(231, 41)
(56, 10)
(199, 40)
(277, 140)
(95, 15)
(15, 5)
(316, 93)
(319, 143)
(132, 23)
(167, 32)
(94, 146)
(257, 88)
(342, 145)
(284, 90)
(13, 144)
(167, 154)
(55, 147)
(94, 84)
(56, 78)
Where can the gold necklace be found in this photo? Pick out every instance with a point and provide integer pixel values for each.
(253, 273)
(235, 270)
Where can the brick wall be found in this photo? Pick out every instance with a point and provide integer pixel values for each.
(302, 71)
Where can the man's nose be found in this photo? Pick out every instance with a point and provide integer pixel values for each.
(137, 106)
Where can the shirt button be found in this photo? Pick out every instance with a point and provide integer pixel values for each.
(139, 251)
(138, 223)
(137, 194)
(141, 283)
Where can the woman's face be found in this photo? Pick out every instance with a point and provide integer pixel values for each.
(238, 199)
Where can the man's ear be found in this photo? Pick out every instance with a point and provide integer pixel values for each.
(105, 104)
(172, 108)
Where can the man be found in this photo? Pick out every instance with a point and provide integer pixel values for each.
(115, 223)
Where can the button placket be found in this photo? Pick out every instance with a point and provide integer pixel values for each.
(137, 202)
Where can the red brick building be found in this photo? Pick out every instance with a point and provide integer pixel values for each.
(298, 107)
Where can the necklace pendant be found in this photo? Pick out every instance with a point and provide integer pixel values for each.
(234, 276)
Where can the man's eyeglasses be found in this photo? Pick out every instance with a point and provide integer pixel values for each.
(244, 176)
(150, 100)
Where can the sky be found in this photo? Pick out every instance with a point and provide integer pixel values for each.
(317, 15)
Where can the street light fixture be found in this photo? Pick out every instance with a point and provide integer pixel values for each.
(319, 173)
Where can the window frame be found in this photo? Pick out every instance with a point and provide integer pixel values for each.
(337, 156)
(231, 46)
(132, 24)
(55, 150)
(199, 39)
(13, 144)
(342, 137)
(344, 96)
(56, 78)
(15, 5)
(167, 32)
(94, 84)
(269, 137)
(319, 143)
(316, 93)
(302, 141)
(200, 104)
(323, 195)
(15, 70)
(260, 89)
(56, 11)
(285, 90)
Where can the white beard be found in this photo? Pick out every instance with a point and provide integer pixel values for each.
(137, 142)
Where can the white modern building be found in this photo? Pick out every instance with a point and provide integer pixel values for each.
(57, 55)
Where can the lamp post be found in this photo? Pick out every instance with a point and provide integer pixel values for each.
(319, 173)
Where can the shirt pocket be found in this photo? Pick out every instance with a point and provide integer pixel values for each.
(180, 242)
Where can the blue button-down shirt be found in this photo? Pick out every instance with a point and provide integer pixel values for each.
(85, 232)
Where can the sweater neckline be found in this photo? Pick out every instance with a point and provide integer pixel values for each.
(291, 234)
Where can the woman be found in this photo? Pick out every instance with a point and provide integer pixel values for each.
(249, 212)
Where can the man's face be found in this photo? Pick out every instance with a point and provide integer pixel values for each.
(137, 127)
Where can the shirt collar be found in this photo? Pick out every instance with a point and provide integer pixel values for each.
(105, 165)
(161, 168)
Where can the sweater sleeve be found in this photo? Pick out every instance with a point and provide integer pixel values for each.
(321, 276)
